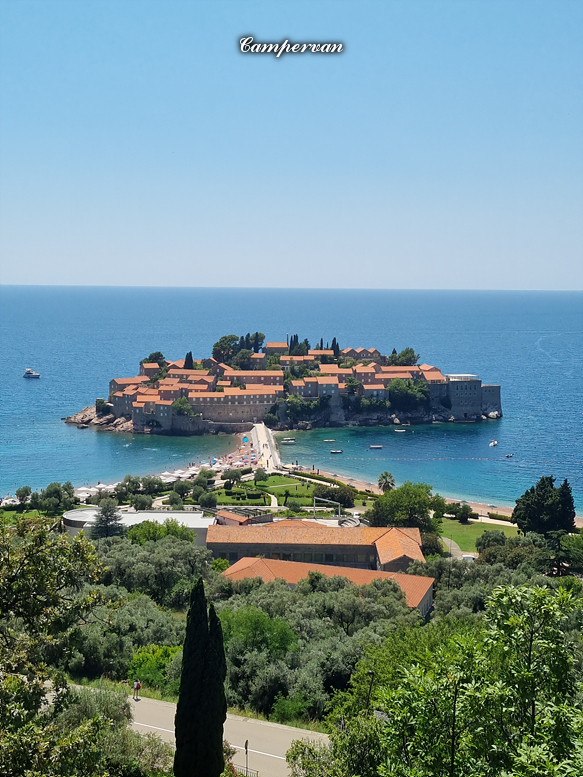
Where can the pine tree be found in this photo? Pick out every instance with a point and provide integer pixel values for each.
(188, 362)
(202, 707)
(108, 519)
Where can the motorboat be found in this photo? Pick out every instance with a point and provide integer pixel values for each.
(329, 440)
(339, 451)
(30, 373)
(401, 430)
(509, 455)
(493, 443)
(375, 446)
(288, 440)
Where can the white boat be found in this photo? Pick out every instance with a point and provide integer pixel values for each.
(401, 430)
(493, 443)
(30, 373)
(288, 440)
(340, 451)
(375, 446)
(329, 440)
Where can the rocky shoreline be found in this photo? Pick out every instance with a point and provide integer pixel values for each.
(88, 417)
(334, 418)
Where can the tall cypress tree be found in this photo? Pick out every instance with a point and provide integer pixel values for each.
(188, 361)
(202, 707)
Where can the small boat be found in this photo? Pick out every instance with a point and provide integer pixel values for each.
(340, 451)
(509, 455)
(329, 440)
(375, 446)
(288, 440)
(30, 373)
(493, 443)
(401, 430)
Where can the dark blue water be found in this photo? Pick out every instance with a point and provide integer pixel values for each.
(78, 338)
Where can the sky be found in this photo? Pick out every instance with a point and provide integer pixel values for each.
(443, 148)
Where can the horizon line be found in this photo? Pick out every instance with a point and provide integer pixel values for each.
(279, 288)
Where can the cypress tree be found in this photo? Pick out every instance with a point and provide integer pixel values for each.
(202, 707)
(188, 362)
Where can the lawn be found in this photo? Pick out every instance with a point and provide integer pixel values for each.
(223, 499)
(466, 535)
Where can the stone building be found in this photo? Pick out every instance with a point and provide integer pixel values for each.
(364, 547)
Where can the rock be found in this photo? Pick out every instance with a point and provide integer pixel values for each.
(396, 421)
(494, 414)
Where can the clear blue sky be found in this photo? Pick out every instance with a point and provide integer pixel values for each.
(442, 149)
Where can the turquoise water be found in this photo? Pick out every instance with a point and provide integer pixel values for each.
(78, 338)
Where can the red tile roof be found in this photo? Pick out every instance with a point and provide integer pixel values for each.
(395, 542)
(130, 381)
(415, 587)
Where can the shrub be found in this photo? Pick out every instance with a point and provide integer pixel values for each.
(208, 500)
(286, 709)
(270, 420)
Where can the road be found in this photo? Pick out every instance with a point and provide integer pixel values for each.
(268, 742)
(265, 448)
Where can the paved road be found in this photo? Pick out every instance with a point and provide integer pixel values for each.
(454, 549)
(266, 448)
(268, 742)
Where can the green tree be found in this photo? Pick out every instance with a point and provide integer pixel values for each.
(23, 494)
(202, 708)
(152, 484)
(270, 420)
(386, 482)
(412, 504)
(342, 494)
(157, 357)
(101, 407)
(408, 395)
(231, 476)
(41, 573)
(260, 475)
(220, 564)
(225, 348)
(182, 406)
(407, 357)
(242, 360)
(175, 501)
(142, 502)
(208, 500)
(183, 488)
(544, 508)
(188, 361)
(353, 386)
(108, 520)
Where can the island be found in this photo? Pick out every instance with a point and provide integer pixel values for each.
(287, 384)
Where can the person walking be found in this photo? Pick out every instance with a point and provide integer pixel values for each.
(136, 686)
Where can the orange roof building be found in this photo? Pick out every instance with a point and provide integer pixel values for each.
(418, 590)
(363, 547)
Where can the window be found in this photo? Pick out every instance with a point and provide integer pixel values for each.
(361, 558)
(275, 556)
(329, 558)
(286, 556)
(318, 557)
(233, 556)
(340, 558)
(307, 557)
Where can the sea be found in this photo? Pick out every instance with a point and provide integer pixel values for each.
(78, 338)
